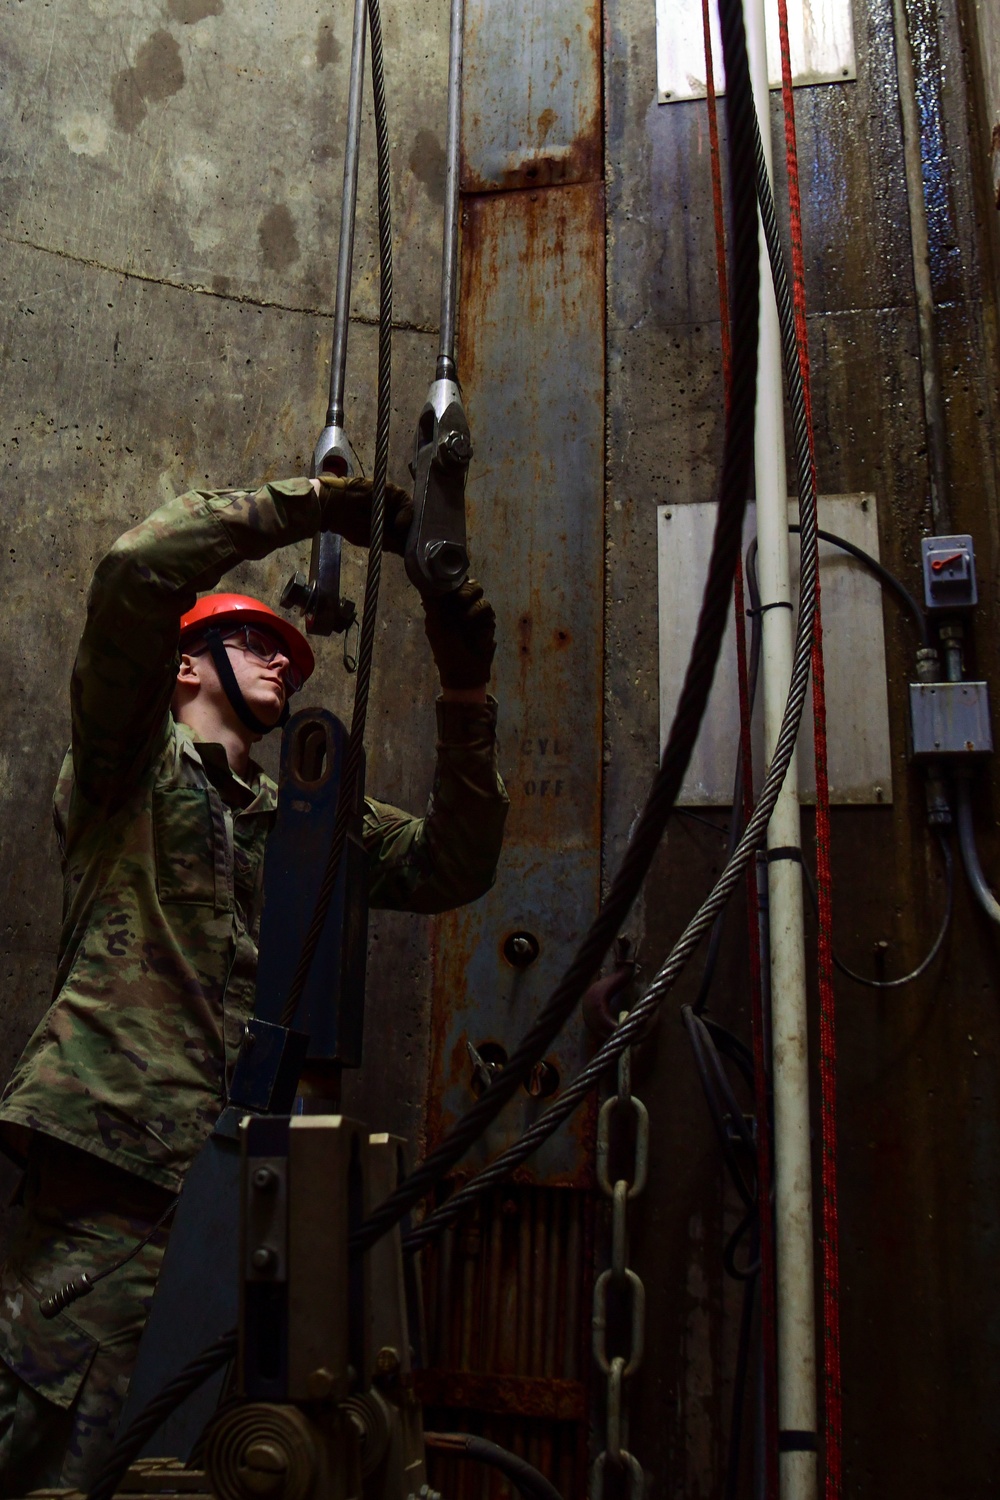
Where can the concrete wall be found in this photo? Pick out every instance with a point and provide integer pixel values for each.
(170, 194)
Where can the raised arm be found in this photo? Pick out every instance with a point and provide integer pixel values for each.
(450, 856)
(127, 660)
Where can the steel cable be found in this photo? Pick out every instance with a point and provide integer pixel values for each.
(712, 621)
(353, 783)
(904, 595)
(754, 834)
(130, 1444)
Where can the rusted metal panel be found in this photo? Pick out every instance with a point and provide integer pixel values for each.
(507, 1395)
(533, 87)
(536, 404)
(508, 1305)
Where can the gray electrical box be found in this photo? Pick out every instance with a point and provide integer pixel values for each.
(949, 572)
(950, 720)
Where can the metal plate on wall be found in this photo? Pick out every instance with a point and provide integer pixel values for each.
(854, 656)
(536, 524)
(820, 37)
(532, 84)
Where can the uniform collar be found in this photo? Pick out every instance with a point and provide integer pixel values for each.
(253, 793)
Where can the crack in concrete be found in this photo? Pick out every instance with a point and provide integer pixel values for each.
(399, 325)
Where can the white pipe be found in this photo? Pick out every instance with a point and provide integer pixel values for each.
(792, 1161)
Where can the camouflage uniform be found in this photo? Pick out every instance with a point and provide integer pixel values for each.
(162, 848)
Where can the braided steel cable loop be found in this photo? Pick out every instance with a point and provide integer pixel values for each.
(756, 829)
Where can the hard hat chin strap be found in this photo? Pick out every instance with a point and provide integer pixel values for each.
(231, 688)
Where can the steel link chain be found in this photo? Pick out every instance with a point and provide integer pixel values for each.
(620, 1116)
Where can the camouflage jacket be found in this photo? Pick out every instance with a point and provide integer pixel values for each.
(162, 848)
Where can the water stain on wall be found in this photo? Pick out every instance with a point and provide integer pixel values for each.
(191, 11)
(278, 241)
(429, 164)
(328, 49)
(157, 73)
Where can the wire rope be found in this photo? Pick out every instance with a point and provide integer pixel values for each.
(881, 572)
(353, 783)
(641, 1014)
(903, 593)
(130, 1444)
(712, 620)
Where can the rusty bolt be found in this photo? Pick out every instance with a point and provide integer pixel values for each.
(387, 1361)
(265, 1179)
(320, 1384)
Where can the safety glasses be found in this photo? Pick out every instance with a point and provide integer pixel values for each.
(265, 648)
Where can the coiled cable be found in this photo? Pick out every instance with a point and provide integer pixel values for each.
(753, 836)
(736, 467)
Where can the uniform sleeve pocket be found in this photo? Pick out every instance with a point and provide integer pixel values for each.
(185, 839)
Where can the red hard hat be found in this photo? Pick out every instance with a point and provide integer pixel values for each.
(222, 610)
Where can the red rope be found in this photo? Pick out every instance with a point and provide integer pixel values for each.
(764, 1173)
(833, 1427)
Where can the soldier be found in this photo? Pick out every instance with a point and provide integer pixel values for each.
(162, 818)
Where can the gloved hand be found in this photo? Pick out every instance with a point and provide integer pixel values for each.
(461, 628)
(347, 508)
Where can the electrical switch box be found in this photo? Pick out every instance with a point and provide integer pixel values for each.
(949, 572)
(950, 720)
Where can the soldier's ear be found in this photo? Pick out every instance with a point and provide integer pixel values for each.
(189, 671)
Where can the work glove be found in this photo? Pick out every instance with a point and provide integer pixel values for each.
(461, 628)
(347, 509)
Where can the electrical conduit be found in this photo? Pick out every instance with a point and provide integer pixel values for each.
(792, 1159)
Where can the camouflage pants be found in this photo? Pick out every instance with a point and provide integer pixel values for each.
(63, 1381)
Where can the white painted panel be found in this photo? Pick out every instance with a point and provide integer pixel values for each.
(854, 653)
(820, 39)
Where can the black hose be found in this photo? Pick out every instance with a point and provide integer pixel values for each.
(641, 1015)
(129, 1444)
(739, 1389)
(526, 1479)
(736, 467)
(890, 581)
(970, 854)
(933, 951)
(352, 788)
(882, 574)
